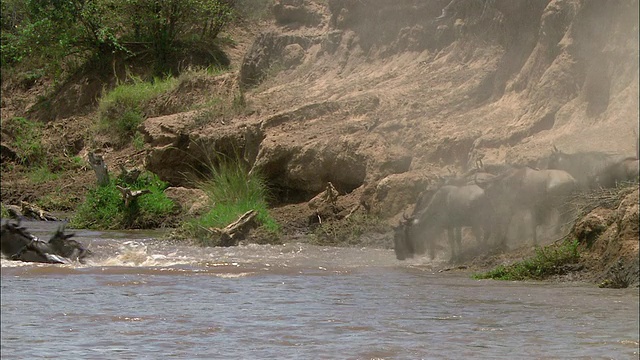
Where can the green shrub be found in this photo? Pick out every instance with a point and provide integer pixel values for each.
(26, 139)
(104, 207)
(122, 109)
(76, 162)
(548, 261)
(52, 33)
(232, 191)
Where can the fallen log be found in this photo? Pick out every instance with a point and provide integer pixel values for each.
(129, 176)
(237, 230)
(31, 211)
(128, 196)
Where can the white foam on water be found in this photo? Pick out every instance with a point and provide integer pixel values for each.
(137, 253)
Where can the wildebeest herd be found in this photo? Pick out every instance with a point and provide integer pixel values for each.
(492, 203)
(16, 243)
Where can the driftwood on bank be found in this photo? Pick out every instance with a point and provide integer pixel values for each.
(128, 195)
(328, 197)
(29, 211)
(237, 230)
(100, 167)
(324, 204)
(129, 176)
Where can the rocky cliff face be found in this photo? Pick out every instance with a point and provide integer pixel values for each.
(379, 97)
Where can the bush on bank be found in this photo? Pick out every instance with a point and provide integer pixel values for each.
(104, 208)
(121, 110)
(232, 190)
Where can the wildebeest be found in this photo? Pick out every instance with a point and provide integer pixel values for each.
(535, 192)
(450, 208)
(63, 245)
(468, 178)
(625, 170)
(583, 166)
(19, 244)
(14, 238)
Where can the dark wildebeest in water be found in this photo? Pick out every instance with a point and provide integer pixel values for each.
(536, 193)
(18, 244)
(583, 166)
(14, 238)
(450, 208)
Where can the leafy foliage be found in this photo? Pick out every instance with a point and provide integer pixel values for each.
(104, 207)
(50, 30)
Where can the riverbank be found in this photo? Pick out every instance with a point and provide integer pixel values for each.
(362, 97)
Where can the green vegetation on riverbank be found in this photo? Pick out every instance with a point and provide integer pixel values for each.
(104, 207)
(23, 146)
(232, 190)
(548, 261)
(121, 110)
(4, 212)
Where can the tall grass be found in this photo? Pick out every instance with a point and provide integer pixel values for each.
(121, 110)
(26, 139)
(232, 190)
(548, 261)
(41, 174)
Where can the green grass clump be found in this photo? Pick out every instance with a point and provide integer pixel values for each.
(548, 261)
(41, 174)
(26, 139)
(121, 110)
(232, 191)
(104, 207)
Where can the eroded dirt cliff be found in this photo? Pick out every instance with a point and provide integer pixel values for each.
(379, 97)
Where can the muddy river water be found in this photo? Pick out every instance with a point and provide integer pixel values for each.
(142, 298)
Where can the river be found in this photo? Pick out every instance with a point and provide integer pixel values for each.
(144, 298)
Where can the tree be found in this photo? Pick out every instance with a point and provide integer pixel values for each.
(54, 29)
